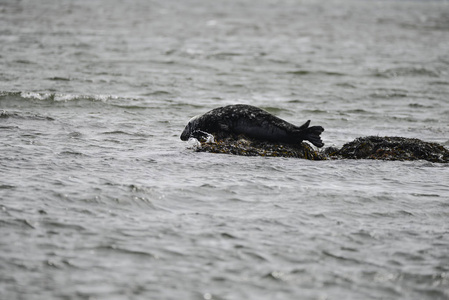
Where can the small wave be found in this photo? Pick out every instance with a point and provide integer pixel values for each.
(7, 186)
(418, 105)
(315, 111)
(157, 93)
(193, 143)
(24, 61)
(407, 72)
(439, 83)
(425, 195)
(123, 250)
(117, 132)
(306, 72)
(224, 55)
(388, 95)
(346, 85)
(357, 111)
(62, 225)
(23, 115)
(56, 97)
(59, 78)
(71, 153)
(9, 127)
(66, 97)
(296, 101)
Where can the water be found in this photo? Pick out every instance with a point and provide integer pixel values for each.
(101, 200)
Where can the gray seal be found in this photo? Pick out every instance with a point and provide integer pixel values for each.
(252, 122)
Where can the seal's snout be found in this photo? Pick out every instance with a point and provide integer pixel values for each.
(186, 133)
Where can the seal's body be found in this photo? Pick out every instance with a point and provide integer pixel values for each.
(251, 122)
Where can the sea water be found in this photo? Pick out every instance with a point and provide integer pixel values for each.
(100, 199)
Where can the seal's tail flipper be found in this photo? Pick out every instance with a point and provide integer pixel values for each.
(312, 134)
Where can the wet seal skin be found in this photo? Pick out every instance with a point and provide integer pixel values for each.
(252, 122)
(250, 131)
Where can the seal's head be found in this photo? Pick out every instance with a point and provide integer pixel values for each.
(191, 127)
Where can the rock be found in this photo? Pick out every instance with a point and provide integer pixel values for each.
(371, 147)
(257, 148)
(392, 148)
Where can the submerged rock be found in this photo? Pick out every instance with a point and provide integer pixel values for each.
(372, 147)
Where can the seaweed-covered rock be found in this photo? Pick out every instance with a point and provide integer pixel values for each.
(371, 147)
(392, 148)
(258, 148)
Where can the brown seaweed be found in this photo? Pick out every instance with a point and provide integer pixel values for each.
(393, 148)
(371, 147)
(261, 148)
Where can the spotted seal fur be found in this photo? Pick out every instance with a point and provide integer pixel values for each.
(250, 122)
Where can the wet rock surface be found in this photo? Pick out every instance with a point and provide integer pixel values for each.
(392, 148)
(372, 147)
(257, 148)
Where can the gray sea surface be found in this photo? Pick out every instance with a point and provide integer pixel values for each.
(100, 199)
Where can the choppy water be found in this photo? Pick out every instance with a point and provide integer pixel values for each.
(99, 199)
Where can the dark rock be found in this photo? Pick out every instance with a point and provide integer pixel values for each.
(392, 148)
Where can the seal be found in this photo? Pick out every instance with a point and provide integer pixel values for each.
(251, 122)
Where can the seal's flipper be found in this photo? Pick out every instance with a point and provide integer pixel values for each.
(312, 134)
(304, 126)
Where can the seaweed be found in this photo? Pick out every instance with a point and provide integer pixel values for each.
(393, 148)
(371, 147)
(247, 147)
